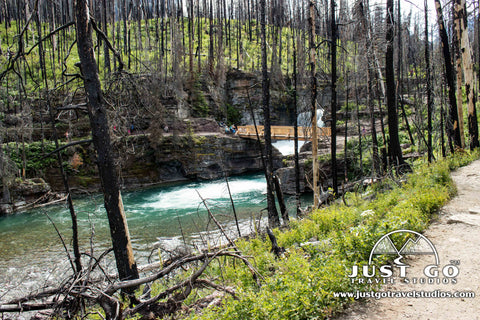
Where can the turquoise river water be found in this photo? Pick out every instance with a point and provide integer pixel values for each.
(31, 253)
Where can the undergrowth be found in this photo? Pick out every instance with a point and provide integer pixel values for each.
(300, 284)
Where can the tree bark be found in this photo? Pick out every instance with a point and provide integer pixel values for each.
(429, 88)
(273, 218)
(281, 200)
(394, 142)
(295, 127)
(127, 268)
(333, 57)
(452, 121)
(313, 103)
(467, 67)
(459, 74)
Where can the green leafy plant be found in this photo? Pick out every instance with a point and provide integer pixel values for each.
(300, 284)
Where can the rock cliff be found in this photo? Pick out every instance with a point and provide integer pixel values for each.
(148, 160)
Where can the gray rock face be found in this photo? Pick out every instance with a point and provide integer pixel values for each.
(243, 93)
(287, 177)
(173, 158)
(30, 188)
(209, 156)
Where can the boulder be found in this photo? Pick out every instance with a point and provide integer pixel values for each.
(192, 156)
(287, 178)
(5, 209)
(210, 156)
(322, 144)
(29, 189)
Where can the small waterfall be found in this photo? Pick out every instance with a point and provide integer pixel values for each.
(305, 119)
(286, 147)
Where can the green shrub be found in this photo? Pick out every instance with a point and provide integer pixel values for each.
(234, 115)
(35, 153)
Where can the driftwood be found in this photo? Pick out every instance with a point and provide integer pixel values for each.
(44, 200)
(50, 203)
(26, 307)
(92, 285)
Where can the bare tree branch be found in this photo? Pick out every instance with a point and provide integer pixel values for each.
(20, 50)
(67, 146)
(109, 44)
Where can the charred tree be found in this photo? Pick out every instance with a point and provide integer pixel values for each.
(429, 88)
(295, 127)
(313, 103)
(467, 67)
(459, 74)
(333, 103)
(394, 141)
(399, 94)
(106, 53)
(122, 247)
(273, 218)
(453, 130)
(364, 14)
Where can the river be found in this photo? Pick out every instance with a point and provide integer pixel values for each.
(32, 255)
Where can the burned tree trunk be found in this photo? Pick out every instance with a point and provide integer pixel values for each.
(313, 101)
(273, 218)
(452, 121)
(394, 142)
(429, 88)
(333, 57)
(127, 268)
(364, 14)
(459, 73)
(295, 128)
(467, 67)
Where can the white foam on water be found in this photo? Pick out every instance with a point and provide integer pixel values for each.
(187, 197)
(287, 147)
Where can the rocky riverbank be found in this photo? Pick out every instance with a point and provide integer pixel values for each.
(145, 160)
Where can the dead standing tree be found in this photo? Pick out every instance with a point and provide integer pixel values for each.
(394, 141)
(333, 57)
(452, 121)
(429, 88)
(122, 247)
(313, 102)
(273, 218)
(361, 10)
(467, 67)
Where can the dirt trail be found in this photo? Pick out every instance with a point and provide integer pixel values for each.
(456, 236)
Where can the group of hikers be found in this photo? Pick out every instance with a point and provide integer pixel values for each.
(228, 129)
